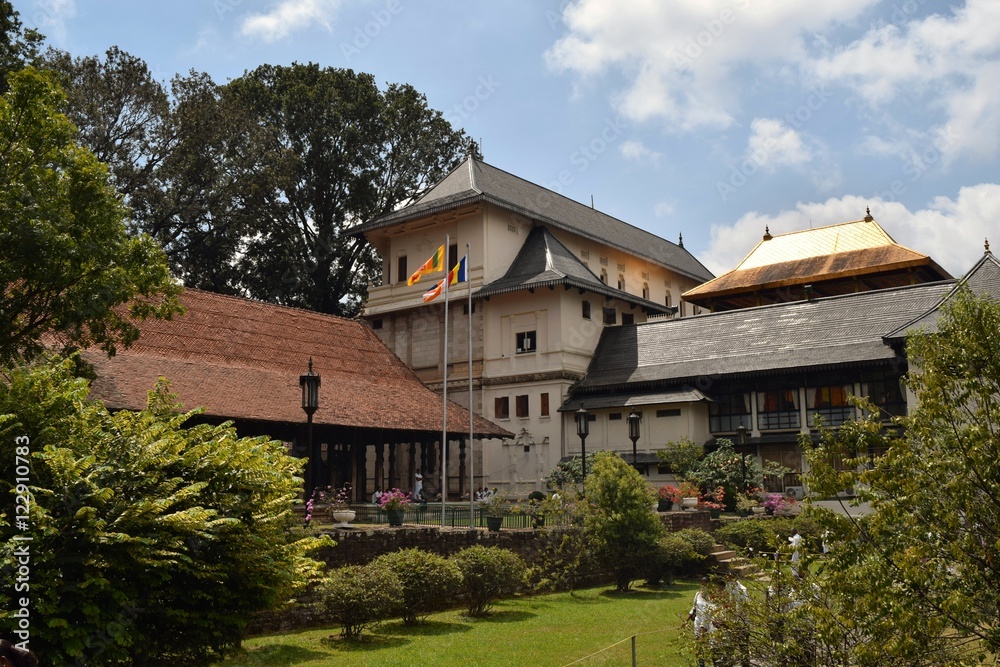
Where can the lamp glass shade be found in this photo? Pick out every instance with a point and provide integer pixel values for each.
(634, 419)
(309, 382)
(582, 423)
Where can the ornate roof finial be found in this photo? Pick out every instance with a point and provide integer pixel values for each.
(868, 214)
(987, 244)
(680, 239)
(767, 233)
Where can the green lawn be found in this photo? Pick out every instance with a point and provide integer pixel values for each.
(543, 631)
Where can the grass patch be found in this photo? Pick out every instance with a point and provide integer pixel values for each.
(543, 631)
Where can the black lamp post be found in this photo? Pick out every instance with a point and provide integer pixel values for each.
(741, 432)
(310, 403)
(583, 430)
(634, 420)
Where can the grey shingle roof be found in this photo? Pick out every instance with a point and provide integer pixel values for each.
(804, 334)
(983, 278)
(544, 261)
(475, 181)
(634, 399)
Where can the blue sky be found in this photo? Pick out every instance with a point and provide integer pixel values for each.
(711, 118)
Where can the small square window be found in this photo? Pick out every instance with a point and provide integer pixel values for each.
(614, 416)
(377, 323)
(501, 407)
(401, 274)
(669, 412)
(521, 405)
(586, 310)
(610, 316)
(526, 342)
(628, 318)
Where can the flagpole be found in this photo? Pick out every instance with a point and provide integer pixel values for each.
(444, 366)
(472, 449)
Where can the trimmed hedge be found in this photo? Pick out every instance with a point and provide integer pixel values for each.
(429, 582)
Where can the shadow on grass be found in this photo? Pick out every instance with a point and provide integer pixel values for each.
(425, 629)
(647, 593)
(505, 616)
(365, 643)
(276, 655)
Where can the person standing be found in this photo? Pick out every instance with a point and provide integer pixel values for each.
(418, 487)
(701, 613)
(795, 541)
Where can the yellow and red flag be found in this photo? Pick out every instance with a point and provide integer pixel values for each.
(432, 265)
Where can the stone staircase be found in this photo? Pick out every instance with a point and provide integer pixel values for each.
(728, 560)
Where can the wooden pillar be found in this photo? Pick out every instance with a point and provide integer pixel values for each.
(411, 467)
(360, 452)
(379, 466)
(461, 468)
(423, 459)
(393, 472)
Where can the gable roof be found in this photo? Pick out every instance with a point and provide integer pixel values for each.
(475, 181)
(843, 250)
(768, 339)
(543, 261)
(983, 278)
(241, 360)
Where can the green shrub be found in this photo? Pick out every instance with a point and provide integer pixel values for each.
(358, 596)
(488, 574)
(754, 536)
(430, 582)
(701, 542)
(672, 554)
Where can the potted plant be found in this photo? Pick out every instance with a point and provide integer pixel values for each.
(714, 502)
(340, 507)
(395, 503)
(669, 498)
(494, 508)
(689, 495)
(775, 503)
(746, 503)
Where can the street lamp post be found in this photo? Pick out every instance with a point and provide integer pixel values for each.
(583, 430)
(634, 420)
(741, 432)
(309, 382)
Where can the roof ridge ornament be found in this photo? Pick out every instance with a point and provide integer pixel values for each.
(868, 214)
(767, 233)
(680, 240)
(986, 243)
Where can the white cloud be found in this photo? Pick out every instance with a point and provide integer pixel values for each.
(950, 62)
(665, 208)
(772, 143)
(950, 231)
(50, 17)
(638, 151)
(289, 16)
(680, 57)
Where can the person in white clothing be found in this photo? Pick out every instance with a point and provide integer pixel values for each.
(418, 487)
(795, 541)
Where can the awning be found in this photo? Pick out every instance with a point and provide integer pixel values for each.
(632, 399)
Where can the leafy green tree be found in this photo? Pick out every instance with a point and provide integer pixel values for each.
(565, 554)
(680, 456)
(153, 539)
(569, 473)
(18, 47)
(343, 152)
(429, 582)
(67, 266)
(620, 518)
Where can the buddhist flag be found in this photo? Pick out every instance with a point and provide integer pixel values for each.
(433, 265)
(459, 274)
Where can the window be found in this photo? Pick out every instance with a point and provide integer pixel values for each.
(614, 416)
(778, 408)
(621, 282)
(544, 405)
(501, 407)
(610, 316)
(645, 291)
(882, 388)
(669, 412)
(401, 274)
(585, 254)
(521, 405)
(377, 323)
(525, 342)
(830, 403)
(683, 309)
(452, 257)
(628, 318)
(729, 411)
(465, 308)
(604, 276)
(586, 310)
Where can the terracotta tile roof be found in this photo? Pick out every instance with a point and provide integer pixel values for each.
(855, 248)
(241, 359)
